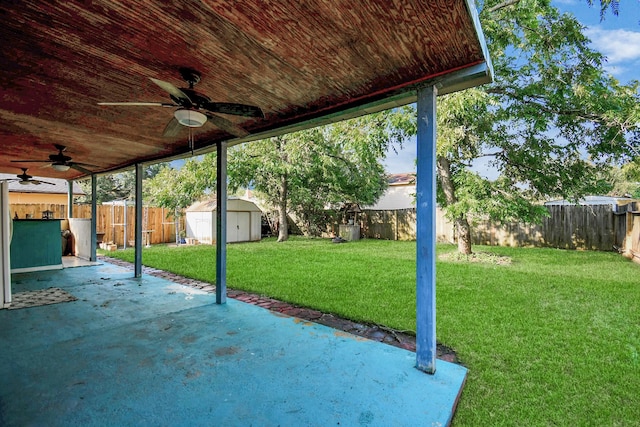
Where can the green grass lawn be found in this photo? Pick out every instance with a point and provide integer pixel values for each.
(551, 339)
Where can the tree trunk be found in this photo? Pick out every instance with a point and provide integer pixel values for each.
(463, 229)
(283, 226)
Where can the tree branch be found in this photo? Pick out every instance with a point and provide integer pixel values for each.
(539, 102)
(503, 5)
(490, 154)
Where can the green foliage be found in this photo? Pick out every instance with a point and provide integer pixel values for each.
(549, 80)
(478, 197)
(614, 5)
(551, 124)
(117, 186)
(626, 179)
(177, 189)
(108, 188)
(307, 171)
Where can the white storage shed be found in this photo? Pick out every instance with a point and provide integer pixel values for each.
(244, 221)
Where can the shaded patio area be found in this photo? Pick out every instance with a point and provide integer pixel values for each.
(149, 351)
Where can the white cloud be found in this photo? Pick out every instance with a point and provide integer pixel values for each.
(618, 46)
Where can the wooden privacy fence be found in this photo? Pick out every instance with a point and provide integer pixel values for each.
(117, 222)
(627, 228)
(566, 227)
(389, 225)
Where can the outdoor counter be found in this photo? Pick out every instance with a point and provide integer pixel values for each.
(36, 245)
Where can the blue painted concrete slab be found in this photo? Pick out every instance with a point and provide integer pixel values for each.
(150, 352)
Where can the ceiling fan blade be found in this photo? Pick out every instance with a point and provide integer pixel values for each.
(86, 165)
(141, 104)
(235, 109)
(172, 129)
(38, 182)
(173, 91)
(80, 168)
(227, 126)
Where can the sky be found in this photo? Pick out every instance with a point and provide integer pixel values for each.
(616, 37)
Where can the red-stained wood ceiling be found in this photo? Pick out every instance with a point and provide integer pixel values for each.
(302, 62)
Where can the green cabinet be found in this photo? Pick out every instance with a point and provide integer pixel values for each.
(36, 244)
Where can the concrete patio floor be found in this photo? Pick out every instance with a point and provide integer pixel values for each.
(153, 352)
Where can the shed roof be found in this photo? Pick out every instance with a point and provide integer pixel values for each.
(233, 205)
(304, 63)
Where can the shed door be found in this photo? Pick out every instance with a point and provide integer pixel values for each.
(238, 226)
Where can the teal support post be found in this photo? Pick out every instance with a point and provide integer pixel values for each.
(70, 199)
(221, 224)
(94, 218)
(138, 224)
(426, 232)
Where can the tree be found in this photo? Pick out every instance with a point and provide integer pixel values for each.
(307, 171)
(626, 180)
(107, 189)
(176, 189)
(117, 186)
(614, 5)
(550, 123)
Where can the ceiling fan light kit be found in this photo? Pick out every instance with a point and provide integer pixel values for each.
(25, 179)
(190, 118)
(59, 161)
(60, 167)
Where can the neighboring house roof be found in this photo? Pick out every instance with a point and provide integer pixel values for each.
(59, 186)
(402, 179)
(234, 204)
(594, 200)
(399, 195)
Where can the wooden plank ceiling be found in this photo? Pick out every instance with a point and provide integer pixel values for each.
(297, 60)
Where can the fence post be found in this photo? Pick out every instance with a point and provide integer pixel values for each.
(396, 219)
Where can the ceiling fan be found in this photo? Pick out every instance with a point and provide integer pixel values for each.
(60, 161)
(25, 179)
(195, 108)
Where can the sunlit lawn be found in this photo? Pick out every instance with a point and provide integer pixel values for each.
(551, 339)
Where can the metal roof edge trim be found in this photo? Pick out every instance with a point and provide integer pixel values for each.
(475, 18)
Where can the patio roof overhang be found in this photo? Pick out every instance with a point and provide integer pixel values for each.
(303, 63)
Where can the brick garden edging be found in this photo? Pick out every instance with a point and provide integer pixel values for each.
(373, 332)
